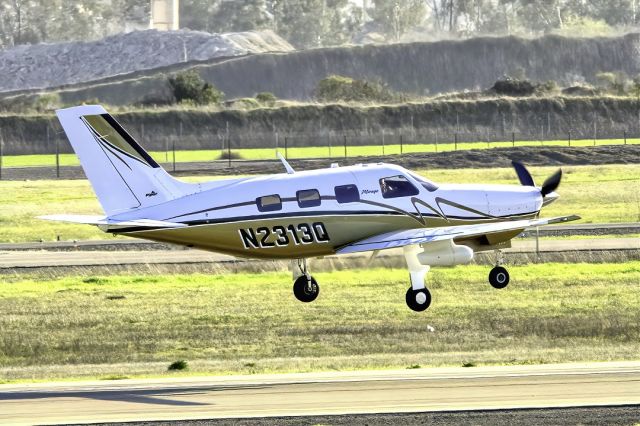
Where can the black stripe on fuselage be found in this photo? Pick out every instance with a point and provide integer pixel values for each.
(201, 222)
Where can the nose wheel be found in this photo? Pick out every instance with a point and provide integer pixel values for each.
(418, 300)
(305, 287)
(499, 277)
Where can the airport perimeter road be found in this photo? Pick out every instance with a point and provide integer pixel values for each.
(13, 260)
(314, 394)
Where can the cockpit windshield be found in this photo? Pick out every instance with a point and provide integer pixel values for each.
(426, 183)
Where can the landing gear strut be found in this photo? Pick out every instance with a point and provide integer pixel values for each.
(418, 296)
(499, 276)
(305, 287)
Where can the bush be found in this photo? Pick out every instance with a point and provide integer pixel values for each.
(190, 87)
(514, 87)
(266, 98)
(47, 102)
(339, 88)
(178, 365)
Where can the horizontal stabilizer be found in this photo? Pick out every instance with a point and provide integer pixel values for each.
(107, 224)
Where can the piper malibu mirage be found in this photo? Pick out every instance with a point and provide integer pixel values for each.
(299, 215)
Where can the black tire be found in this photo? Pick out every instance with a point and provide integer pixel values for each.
(413, 303)
(304, 290)
(499, 277)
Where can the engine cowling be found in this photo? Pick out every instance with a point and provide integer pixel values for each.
(445, 253)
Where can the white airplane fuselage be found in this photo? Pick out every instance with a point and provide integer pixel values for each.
(313, 218)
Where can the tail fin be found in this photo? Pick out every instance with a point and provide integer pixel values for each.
(123, 175)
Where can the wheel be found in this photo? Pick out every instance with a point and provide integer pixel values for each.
(418, 300)
(306, 290)
(498, 277)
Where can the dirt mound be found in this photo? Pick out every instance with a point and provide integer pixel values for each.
(52, 65)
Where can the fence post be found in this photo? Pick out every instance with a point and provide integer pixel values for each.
(277, 142)
(569, 137)
(513, 139)
(382, 141)
(595, 128)
(455, 143)
(228, 151)
(345, 145)
(1, 154)
(57, 153)
(286, 148)
(329, 141)
(436, 139)
(173, 148)
(401, 144)
(625, 137)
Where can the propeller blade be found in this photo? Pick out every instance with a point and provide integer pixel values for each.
(552, 183)
(523, 174)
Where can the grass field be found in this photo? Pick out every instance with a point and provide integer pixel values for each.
(599, 194)
(245, 323)
(336, 151)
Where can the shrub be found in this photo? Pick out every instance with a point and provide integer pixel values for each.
(190, 87)
(514, 87)
(47, 102)
(233, 155)
(339, 88)
(266, 98)
(178, 365)
(616, 82)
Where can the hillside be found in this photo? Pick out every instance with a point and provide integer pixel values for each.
(43, 65)
(420, 68)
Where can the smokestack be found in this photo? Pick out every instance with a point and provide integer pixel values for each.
(165, 15)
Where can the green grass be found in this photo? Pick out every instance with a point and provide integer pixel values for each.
(336, 151)
(249, 323)
(599, 194)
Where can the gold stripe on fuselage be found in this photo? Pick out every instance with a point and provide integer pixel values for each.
(292, 237)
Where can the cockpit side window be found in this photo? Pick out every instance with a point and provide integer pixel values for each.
(397, 186)
(269, 203)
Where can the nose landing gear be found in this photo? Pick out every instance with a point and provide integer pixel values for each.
(305, 287)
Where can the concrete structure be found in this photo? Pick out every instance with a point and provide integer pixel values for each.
(165, 15)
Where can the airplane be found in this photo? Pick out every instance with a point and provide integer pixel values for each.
(306, 214)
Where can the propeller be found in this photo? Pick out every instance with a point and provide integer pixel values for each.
(549, 185)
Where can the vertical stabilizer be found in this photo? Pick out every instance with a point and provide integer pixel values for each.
(122, 174)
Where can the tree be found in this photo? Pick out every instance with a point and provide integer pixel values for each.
(396, 17)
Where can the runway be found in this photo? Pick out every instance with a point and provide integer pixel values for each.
(313, 394)
(18, 259)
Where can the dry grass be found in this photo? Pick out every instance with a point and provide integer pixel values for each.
(245, 323)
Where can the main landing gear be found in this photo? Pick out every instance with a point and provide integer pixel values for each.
(305, 287)
(499, 276)
(418, 296)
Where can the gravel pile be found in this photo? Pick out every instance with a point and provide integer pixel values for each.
(50, 65)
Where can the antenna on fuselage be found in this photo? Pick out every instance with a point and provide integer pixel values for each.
(286, 164)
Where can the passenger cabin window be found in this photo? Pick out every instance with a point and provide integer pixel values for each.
(269, 203)
(397, 186)
(308, 198)
(347, 194)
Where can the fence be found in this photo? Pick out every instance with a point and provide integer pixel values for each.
(229, 146)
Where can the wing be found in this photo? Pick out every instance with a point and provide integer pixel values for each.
(426, 235)
(108, 225)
